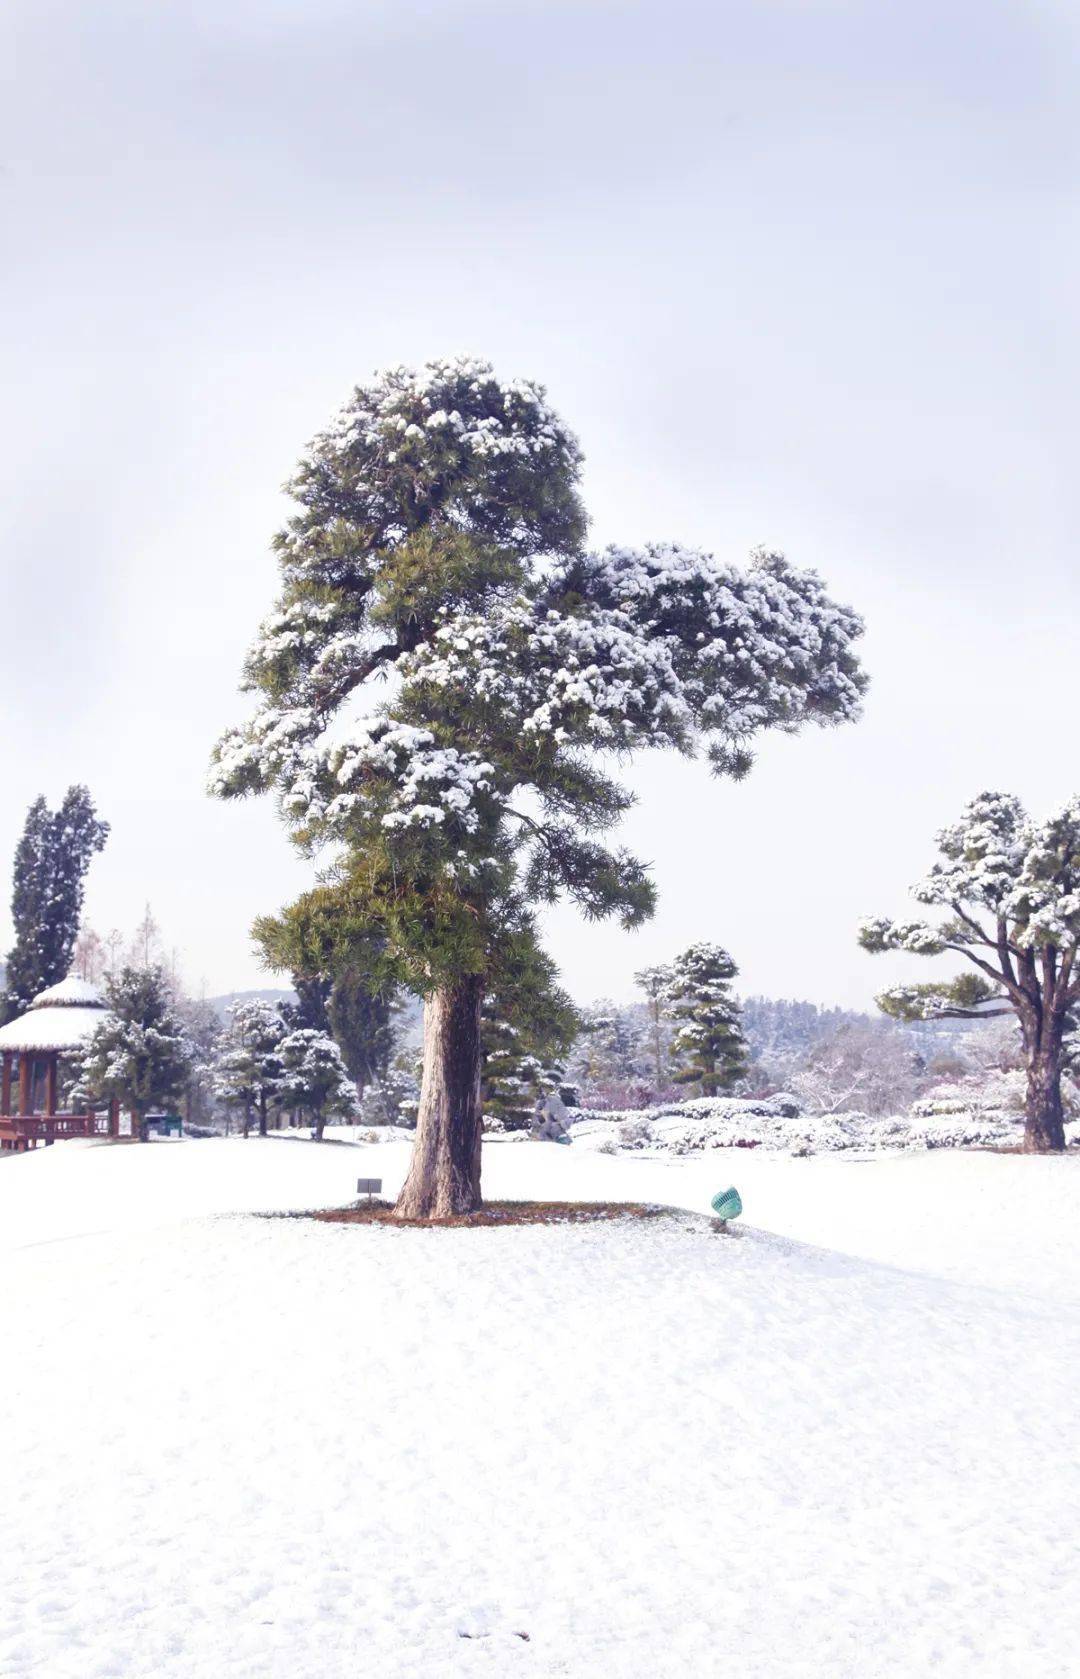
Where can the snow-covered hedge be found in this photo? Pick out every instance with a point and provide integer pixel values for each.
(777, 1122)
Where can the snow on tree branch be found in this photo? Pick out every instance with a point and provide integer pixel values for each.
(1026, 873)
(438, 543)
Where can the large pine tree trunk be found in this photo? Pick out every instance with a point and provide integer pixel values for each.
(444, 1175)
(1044, 1127)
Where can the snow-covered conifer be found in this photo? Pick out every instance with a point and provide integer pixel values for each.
(708, 1048)
(1010, 889)
(51, 861)
(248, 1070)
(358, 1018)
(140, 1053)
(315, 1078)
(439, 539)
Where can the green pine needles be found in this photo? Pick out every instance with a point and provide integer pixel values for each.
(450, 677)
(141, 1053)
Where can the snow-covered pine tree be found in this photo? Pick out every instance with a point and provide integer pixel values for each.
(1010, 887)
(315, 1078)
(439, 537)
(140, 1053)
(708, 1048)
(51, 861)
(248, 1069)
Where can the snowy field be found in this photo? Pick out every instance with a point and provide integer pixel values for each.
(837, 1444)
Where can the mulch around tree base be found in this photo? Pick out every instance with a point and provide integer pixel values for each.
(494, 1213)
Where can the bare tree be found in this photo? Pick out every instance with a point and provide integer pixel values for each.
(864, 1068)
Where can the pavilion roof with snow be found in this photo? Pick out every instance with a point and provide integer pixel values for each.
(58, 1021)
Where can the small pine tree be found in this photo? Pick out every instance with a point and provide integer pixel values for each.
(356, 1015)
(247, 1068)
(51, 861)
(140, 1053)
(708, 1048)
(314, 1077)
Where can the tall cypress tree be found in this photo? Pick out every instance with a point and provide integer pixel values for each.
(310, 1012)
(360, 1023)
(51, 862)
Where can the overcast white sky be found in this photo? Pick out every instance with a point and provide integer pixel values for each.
(798, 273)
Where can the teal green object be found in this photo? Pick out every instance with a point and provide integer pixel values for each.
(728, 1204)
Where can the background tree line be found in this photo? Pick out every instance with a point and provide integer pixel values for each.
(333, 1048)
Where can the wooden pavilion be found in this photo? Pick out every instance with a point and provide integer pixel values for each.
(57, 1024)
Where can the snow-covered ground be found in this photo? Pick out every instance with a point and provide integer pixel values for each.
(837, 1444)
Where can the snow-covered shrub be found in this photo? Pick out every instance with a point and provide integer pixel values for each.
(984, 1092)
(697, 1123)
(776, 1123)
(966, 1130)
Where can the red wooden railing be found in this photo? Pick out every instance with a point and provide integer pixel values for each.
(22, 1131)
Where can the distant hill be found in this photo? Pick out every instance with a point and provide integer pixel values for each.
(221, 1005)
